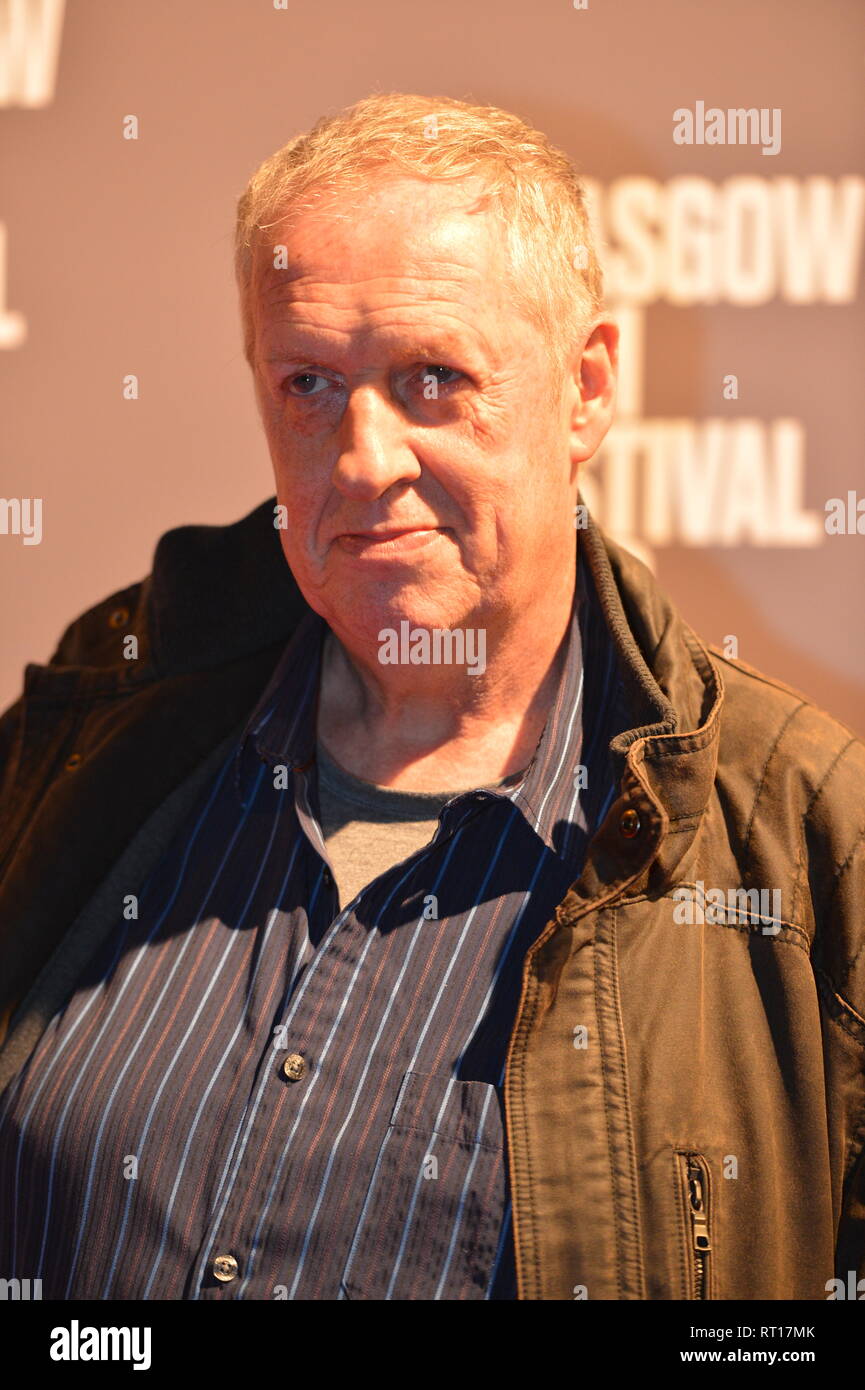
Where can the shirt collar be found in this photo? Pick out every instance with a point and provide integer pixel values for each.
(281, 728)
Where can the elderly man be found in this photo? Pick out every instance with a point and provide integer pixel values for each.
(398, 899)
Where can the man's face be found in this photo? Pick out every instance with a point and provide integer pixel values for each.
(420, 448)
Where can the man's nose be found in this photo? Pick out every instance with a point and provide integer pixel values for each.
(373, 446)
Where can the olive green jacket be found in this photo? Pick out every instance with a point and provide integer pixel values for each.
(685, 1092)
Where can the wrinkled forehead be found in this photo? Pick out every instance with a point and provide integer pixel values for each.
(405, 230)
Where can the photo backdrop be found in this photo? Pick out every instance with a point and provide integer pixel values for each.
(732, 246)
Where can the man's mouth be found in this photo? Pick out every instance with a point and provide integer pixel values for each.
(392, 540)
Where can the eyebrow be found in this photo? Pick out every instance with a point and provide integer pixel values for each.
(416, 351)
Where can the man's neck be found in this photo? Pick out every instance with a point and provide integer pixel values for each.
(422, 728)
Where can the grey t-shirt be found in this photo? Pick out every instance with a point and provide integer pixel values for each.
(367, 828)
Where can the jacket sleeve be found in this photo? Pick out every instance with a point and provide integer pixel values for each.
(23, 757)
(88, 640)
(11, 730)
(842, 958)
(10, 727)
(850, 1250)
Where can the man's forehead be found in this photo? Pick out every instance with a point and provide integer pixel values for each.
(431, 305)
(403, 232)
(300, 281)
(411, 260)
(412, 331)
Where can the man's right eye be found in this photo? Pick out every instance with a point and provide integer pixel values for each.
(304, 384)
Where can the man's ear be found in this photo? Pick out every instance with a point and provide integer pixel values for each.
(594, 389)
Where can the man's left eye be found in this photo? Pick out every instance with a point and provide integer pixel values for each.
(432, 369)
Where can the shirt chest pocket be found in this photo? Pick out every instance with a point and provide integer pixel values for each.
(432, 1217)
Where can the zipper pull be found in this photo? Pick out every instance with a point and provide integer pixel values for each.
(699, 1215)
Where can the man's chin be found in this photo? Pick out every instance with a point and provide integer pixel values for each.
(365, 626)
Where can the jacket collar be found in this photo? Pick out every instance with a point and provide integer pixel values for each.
(669, 757)
(217, 593)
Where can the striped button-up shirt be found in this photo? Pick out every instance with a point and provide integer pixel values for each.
(253, 1093)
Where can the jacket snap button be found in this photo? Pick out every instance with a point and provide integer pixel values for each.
(118, 617)
(629, 823)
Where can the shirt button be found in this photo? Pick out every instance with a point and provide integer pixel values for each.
(73, 761)
(629, 823)
(328, 878)
(294, 1066)
(118, 617)
(225, 1268)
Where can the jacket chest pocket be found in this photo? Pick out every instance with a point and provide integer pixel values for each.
(432, 1216)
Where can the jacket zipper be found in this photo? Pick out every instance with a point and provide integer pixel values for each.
(698, 1197)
